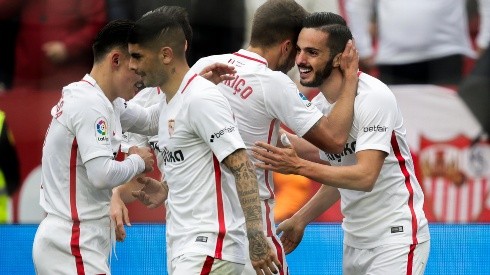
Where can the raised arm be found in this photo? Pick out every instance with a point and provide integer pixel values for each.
(331, 132)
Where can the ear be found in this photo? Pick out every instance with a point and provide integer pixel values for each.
(166, 55)
(115, 59)
(336, 60)
(286, 47)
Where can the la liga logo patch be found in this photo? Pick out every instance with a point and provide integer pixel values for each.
(101, 131)
(305, 100)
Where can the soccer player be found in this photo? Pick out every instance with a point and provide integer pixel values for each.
(207, 170)
(78, 166)
(385, 228)
(262, 96)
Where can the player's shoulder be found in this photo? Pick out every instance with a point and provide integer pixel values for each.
(148, 96)
(208, 60)
(373, 93)
(371, 88)
(202, 90)
(83, 94)
(275, 81)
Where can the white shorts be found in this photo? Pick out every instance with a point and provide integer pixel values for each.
(393, 259)
(199, 264)
(64, 247)
(274, 242)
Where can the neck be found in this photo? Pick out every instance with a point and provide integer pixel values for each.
(103, 77)
(175, 77)
(270, 54)
(331, 87)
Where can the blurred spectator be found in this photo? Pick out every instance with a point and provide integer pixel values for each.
(218, 26)
(475, 90)
(9, 169)
(419, 41)
(8, 29)
(53, 46)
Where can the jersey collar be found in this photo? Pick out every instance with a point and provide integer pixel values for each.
(89, 80)
(251, 56)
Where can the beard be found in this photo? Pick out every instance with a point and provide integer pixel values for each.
(319, 76)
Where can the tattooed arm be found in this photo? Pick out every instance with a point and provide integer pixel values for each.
(261, 255)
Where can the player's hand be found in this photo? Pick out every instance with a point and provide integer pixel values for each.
(55, 51)
(153, 193)
(146, 154)
(218, 72)
(292, 234)
(349, 60)
(282, 160)
(120, 216)
(264, 259)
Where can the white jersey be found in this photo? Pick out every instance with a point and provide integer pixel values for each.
(393, 211)
(145, 98)
(261, 99)
(416, 30)
(196, 132)
(85, 126)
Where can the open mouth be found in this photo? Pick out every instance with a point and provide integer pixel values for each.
(303, 71)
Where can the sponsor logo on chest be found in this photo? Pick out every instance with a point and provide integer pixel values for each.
(349, 149)
(172, 156)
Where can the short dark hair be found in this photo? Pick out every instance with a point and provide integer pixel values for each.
(113, 35)
(167, 25)
(333, 25)
(275, 21)
(317, 19)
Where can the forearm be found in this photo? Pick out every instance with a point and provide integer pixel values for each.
(341, 117)
(108, 173)
(124, 191)
(140, 120)
(247, 189)
(347, 177)
(324, 198)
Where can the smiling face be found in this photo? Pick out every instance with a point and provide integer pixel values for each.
(146, 63)
(313, 57)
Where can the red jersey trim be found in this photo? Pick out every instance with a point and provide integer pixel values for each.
(251, 58)
(408, 184)
(208, 265)
(188, 82)
(83, 80)
(221, 213)
(75, 230)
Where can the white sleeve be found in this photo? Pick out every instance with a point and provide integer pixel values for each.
(140, 120)
(358, 17)
(284, 101)
(483, 37)
(106, 173)
(375, 121)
